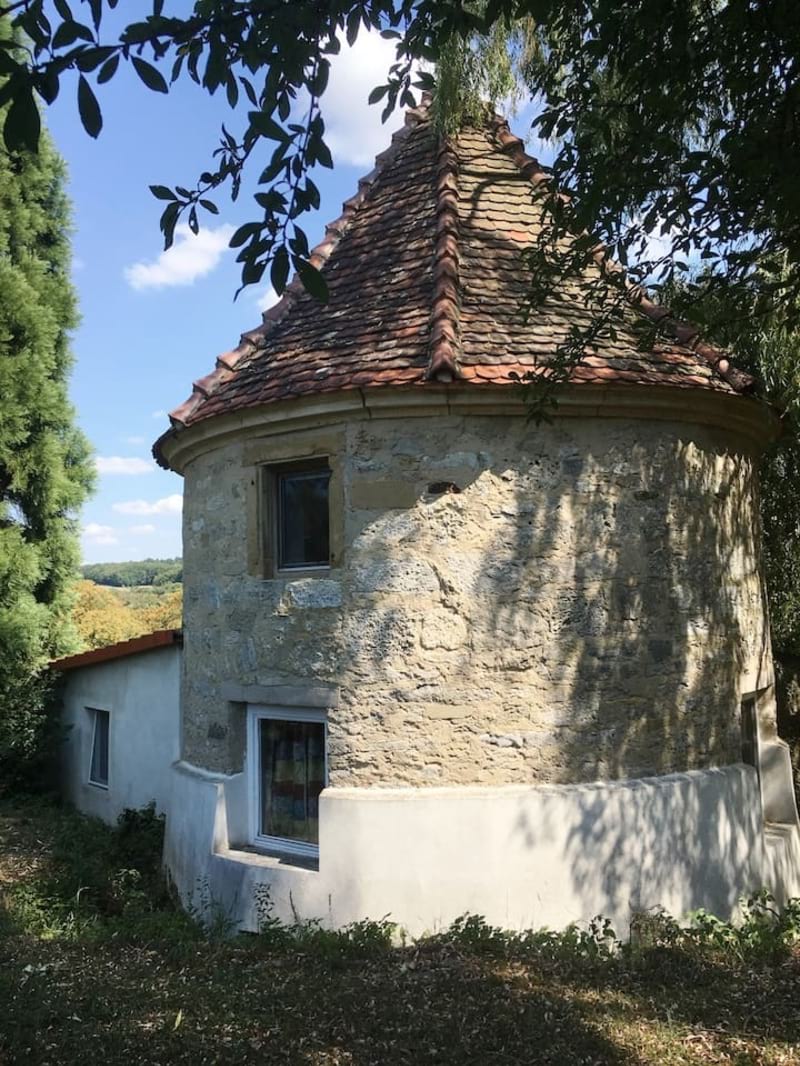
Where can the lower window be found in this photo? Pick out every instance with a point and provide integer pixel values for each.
(98, 768)
(287, 762)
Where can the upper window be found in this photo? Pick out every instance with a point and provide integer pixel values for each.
(302, 516)
(98, 770)
(288, 771)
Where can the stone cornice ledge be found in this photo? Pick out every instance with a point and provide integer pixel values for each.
(741, 416)
(482, 793)
(282, 695)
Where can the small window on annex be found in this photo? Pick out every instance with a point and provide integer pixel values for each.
(287, 763)
(98, 769)
(301, 515)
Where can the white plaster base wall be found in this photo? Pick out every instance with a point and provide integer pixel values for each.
(520, 856)
(142, 695)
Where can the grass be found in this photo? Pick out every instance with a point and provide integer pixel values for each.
(96, 965)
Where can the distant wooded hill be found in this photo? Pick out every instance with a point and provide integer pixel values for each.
(145, 572)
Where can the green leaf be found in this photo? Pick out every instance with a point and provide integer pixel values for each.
(23, 123)
(96, 7)
(266, 126)
(377, 94)
(274, 167)
(279, 271)
(323, 153)
(161, 192)
(169, 217)
(243, 233)
(48, 85)
(90, 58)
(313, 193)
(152, 78)
(313, 281)
(318, 84)
(8, 66)
(251, 93)
(353, 26)
(69, 32)
(108, 70)
(272, 201)
(210, 206)
(252, 273)
(88, 108)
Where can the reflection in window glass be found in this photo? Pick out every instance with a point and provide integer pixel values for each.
(98, 774)
(303, 538)
(292, 777)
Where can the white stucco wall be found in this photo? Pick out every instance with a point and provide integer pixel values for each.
(142, 694)
(521, 856)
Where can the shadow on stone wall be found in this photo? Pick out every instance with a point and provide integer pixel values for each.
(620, 597)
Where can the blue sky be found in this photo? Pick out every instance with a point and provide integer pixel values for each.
(153, 322)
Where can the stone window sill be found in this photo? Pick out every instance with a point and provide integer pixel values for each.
(251, 856)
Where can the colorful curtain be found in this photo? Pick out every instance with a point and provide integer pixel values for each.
(292, 777)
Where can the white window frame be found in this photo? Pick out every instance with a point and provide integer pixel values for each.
(255, 714)
(95, 711)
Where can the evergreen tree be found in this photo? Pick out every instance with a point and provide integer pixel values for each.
(45, 471)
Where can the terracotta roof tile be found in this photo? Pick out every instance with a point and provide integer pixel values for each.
(427, 279)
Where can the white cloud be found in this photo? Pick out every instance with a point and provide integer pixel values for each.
(94, 533)
(158, 414)
(136, 440)
(265, 298)
(354, 131)
(168, 505)
(116, 464)
(190, 257)
(142, 531)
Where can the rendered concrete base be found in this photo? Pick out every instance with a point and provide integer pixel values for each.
(520, 856)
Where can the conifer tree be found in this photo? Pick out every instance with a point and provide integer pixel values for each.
(45, 471)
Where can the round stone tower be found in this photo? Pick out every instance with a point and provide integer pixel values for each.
(440, 657)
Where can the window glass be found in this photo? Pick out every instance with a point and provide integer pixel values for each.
(303, 536)
(98, 774)
(292, 775)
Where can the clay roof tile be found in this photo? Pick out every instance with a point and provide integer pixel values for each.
(427, 278)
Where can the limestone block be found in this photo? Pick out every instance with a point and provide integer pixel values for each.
(447, 711)
(313, 592)
(390, 575)
(443, 629)
(373, 494)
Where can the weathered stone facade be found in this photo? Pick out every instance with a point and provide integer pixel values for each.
(510, 603)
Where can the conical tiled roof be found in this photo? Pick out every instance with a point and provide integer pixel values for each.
(427, 283)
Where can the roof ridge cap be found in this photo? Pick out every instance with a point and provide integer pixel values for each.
(445, 319)
(683, 332)
(249, 341)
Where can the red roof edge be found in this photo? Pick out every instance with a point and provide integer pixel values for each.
(683, 332)
(162, 638)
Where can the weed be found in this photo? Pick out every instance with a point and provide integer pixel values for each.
(595, 943)
(98, 880)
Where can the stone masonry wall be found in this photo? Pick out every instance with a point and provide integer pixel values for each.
(587, 605)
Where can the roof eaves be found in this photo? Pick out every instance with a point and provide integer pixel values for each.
(161, 638)
(682, 332)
